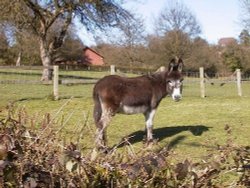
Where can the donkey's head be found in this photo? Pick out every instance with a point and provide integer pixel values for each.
(174, 79)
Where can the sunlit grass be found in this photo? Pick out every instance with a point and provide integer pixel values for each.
(190, 127)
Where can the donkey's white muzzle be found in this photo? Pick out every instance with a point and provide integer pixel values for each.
(176, 95)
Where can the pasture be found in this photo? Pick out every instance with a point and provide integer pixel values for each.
(190, 128)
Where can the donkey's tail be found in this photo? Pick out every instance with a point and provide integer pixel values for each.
(97, 108)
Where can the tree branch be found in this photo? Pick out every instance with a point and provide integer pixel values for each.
(36, 9)
(58, 41)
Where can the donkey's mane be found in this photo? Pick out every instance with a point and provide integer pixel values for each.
(157, 75)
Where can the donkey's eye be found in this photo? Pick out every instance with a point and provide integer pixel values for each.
(170, 82)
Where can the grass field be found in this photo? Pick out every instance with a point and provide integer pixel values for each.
(190, 127)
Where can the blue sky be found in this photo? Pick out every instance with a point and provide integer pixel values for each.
(217, 18)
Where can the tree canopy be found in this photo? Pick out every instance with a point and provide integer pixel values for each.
(177, 17)
(39, 17)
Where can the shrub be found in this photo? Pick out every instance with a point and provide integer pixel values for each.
(35, 157)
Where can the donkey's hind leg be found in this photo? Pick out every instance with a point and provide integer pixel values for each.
(101, 137)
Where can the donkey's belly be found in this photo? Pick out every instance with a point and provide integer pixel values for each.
(124, 109)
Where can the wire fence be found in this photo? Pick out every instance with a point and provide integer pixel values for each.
(23, 83)
(18, 84)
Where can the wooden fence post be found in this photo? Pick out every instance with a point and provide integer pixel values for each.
(56, 82)
(238, 78)
(112, 69)
(202, 82)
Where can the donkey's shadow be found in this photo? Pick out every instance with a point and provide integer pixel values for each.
(164, 132)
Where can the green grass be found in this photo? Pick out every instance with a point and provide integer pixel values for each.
(190, 127)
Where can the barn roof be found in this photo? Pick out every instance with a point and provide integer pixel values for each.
(88, 48)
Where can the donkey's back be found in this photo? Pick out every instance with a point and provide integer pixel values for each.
(123, 95)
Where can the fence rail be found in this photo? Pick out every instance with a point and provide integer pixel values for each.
(198, 81)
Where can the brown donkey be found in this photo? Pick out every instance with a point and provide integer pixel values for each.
(114, 94)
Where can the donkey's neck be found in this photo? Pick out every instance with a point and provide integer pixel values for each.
(159, 77)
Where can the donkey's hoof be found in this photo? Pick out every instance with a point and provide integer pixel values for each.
(150, 143)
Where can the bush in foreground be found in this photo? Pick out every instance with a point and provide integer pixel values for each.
(35, 157)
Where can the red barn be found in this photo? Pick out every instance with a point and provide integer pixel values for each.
(91, 57)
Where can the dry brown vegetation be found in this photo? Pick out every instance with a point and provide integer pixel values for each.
(33, 155)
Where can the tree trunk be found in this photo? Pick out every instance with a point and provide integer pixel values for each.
(18, 61)
(46, 60)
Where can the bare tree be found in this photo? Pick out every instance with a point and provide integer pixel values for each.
(176, 44)
(133, 32)
(176, 25)
(127, 42)
(3, 47)
(71, 50)
(177, 17)
(244, 37)
(132, 39)
(26, 49)
(39, 17)
(245, 17)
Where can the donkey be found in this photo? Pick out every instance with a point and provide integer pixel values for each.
(114, 94)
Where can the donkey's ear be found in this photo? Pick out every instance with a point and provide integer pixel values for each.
(171, 65)
(180, 65)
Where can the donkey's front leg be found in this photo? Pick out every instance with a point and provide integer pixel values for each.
(149, 116)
